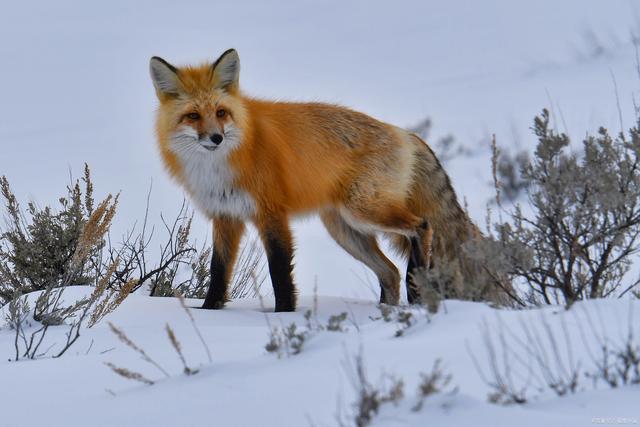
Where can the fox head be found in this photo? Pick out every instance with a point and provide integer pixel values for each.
(200, 107)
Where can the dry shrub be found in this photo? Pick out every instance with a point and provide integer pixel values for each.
(41, 248)
(587, 219)
(369, 397)
(173, 341)
(542, 357)
(389, 389)
(49, 309)
(523, 367)
(434, 382)
(577, 237)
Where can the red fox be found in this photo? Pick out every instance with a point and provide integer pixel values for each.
(245, 159)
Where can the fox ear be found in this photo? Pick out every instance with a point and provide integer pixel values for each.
(164, 76)
(226, 71)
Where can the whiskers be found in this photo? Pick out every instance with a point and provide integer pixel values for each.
(185, 142)
(188, 144)
(232, 134)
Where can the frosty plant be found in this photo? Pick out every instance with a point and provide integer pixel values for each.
(164, 275)
(175, 344)
(616, 360)
(403, 317)
(49, 309)
(37, 247)
(289, 340)
(371, 397)
(45, 250)
(576, 239)
(524, 362)
(509, 168)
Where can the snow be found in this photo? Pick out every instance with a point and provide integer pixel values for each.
(76, 89)
(246, 385)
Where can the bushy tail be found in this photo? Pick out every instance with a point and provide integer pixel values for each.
(454, 261)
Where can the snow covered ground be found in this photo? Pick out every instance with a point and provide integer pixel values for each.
(247, 386)
(76, 89)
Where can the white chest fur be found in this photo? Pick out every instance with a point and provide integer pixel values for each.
(210, 179)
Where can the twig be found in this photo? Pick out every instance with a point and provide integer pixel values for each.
(193, 323)
(123, 337)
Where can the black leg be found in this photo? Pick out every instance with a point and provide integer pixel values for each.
(280, 258)
(278, 244)
(217, 293)
(383, 299)
(227, 233)
(414, 263)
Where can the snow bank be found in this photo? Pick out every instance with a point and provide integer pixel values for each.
(245, 385)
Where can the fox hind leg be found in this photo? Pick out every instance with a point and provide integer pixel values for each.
(395, 218)
(365, 249)
(419, 258)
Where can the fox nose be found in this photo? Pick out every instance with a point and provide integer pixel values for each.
(216, 138)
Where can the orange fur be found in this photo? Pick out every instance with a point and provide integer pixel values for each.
(298, 158)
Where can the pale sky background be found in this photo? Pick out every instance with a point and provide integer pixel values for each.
(75, 85)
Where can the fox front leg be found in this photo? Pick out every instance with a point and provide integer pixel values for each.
(227, 233)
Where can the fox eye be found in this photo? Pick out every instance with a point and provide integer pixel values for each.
(221, 113)
(193, 116)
